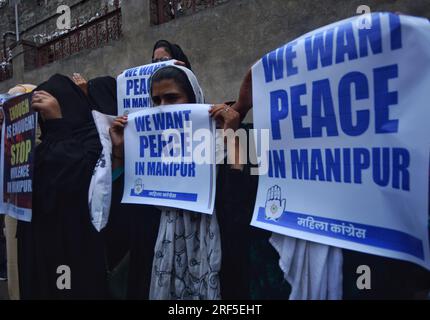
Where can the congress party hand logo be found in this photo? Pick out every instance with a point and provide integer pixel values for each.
(138, 186)
(275, 206)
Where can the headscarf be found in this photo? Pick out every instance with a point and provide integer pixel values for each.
(103, 96)
(22, 88)
(187, 257)
(175, 50)
(77, 122)
(198, 92)
(75, 105)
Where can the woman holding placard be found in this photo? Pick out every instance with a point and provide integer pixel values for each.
(188, 247)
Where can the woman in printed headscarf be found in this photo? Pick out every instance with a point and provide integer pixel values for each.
(60, 240)
(126, 219)
(191, 255)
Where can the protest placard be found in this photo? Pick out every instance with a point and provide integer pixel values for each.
(133, 87)
(347, 108)
(18, 146)
(170, 157)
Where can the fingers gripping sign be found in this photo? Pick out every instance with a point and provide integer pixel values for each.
(275, 205)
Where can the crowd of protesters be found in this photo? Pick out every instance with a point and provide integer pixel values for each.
(149, 252)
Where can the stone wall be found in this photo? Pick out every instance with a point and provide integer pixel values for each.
(38, 18)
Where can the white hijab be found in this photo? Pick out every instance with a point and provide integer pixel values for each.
(187, 253)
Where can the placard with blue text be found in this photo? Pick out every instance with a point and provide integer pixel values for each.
(347, 106)
(133, 87)
(170, 157)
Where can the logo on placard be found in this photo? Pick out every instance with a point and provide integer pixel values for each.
(138, 186)
(275, 205)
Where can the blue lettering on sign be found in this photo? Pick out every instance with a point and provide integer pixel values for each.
(388, 166)
(171, 169)
(319, 48)
(401, 161)
(168, 195)
(372, 36)
(298, 111)
(345, 43)
(154, 143)
(273, 64)
(290, 55)
(137, 87)
(381, 162)
(140, 102)
(373, 236)
(277, 167)
(353, 86)
(360, 83)
(300, 164)
(384, 99)
(333, 165)
(278, 111)
(317, 167)
(323, 101)
(396, 31)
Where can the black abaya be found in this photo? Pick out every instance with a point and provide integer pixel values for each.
(61, 232)
(102, 94)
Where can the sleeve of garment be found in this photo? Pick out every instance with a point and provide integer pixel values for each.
(234, 212)
(234, 195)
(64, 163)
(116, 173)
(236, 192)
(235, 198)
(61, 146)
(57, 130)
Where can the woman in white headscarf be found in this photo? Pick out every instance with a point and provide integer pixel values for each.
(195, 256)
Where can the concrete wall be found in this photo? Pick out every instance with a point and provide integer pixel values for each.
(31, 15)
(32, 12)
(222, 42)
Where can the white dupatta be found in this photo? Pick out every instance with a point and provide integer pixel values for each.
(187, 254)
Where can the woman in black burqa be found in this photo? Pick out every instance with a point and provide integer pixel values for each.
(102, 93)
(61, 232)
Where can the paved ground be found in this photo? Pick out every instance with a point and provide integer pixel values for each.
(3, 291)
